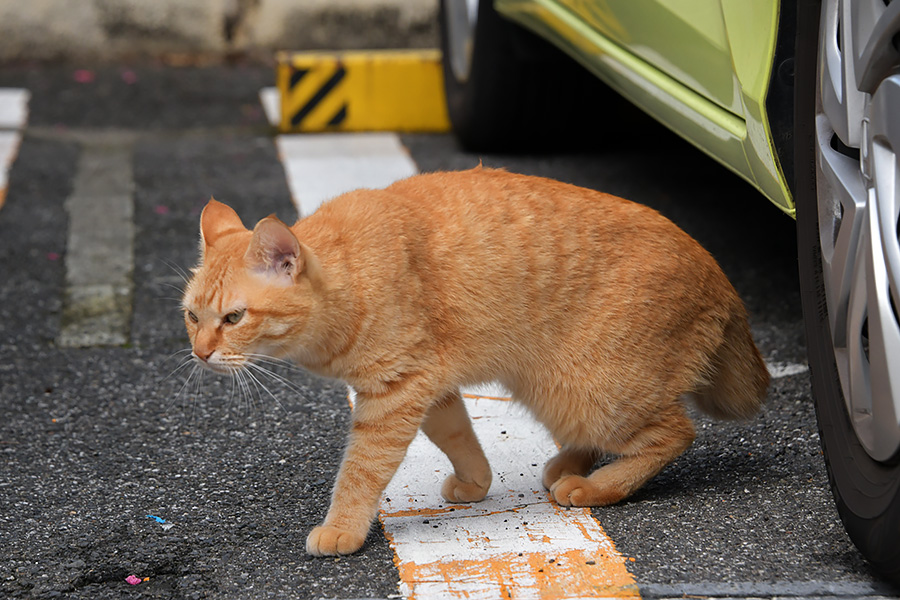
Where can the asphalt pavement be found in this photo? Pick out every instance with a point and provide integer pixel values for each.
(113, 465)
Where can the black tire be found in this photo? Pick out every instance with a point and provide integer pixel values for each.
(867, 492)
(521, 93)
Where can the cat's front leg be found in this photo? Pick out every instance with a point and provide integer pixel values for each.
(447, 424)
(383, 427)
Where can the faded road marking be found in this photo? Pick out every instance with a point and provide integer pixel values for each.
(100, 248)
(517, 543)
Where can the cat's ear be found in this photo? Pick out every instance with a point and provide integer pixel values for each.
(216, 220)
(275, 252)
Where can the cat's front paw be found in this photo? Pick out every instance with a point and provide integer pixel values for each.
(326, 540)
(457, 490)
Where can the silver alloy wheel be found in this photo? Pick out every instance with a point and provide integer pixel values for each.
(461, 16)
(857, 130)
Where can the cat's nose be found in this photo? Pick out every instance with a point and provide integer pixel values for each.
(204, 354)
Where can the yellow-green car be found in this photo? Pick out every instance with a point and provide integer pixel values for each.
(802, 99)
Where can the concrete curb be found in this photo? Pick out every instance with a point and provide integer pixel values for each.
(118, 29)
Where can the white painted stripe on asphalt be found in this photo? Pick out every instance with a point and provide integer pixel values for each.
(9, 148)
(784, 369)
(13, 117)
(517, 543)
(322, 166)
(13, 108)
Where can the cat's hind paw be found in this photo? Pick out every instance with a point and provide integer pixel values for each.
(326, 540)
(457, 490)
(569, 461)
(573, 490)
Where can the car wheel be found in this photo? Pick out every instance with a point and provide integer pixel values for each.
(847, 115)
(509, 90)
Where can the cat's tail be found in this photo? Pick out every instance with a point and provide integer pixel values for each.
(738, 382)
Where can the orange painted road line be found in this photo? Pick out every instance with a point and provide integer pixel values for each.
(517, 543)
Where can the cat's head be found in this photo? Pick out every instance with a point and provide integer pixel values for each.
(252, 293)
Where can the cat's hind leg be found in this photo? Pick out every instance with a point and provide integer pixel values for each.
(640, 458)
(569, 461)
(447, 424)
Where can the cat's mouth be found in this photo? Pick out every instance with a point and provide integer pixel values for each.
(223, 365)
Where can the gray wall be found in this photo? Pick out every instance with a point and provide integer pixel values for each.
(112, 29)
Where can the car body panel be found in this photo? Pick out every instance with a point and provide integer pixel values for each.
(648, 60)
(683, 38)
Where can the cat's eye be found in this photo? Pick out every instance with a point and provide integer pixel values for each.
(234, 317)
(193, 317)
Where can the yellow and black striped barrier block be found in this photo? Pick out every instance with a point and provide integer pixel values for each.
(391, 90)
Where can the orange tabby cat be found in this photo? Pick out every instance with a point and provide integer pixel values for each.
(597, 313)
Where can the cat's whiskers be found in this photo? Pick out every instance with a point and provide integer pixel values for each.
(270, 373)
(184, 363)
(178, 271)
(246, 394)
(185, 278)
(187, 381)
(197, 393)
(242, 387)
(177, 352)
(265, 358)
(248, 372)
(261, 386)
(172, 286)
(253, 400)
(257, 362)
